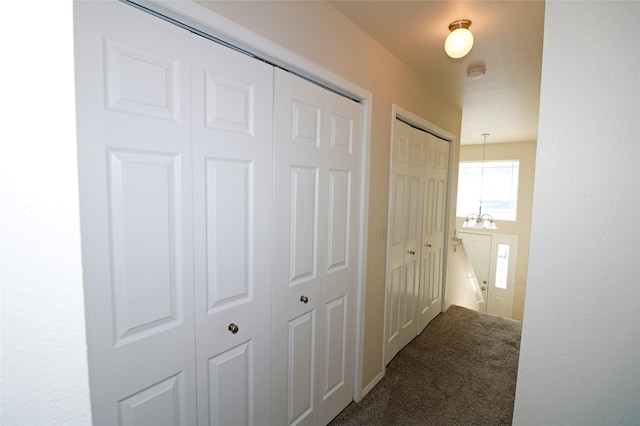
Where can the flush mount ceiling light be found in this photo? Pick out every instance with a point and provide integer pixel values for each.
(460, 41)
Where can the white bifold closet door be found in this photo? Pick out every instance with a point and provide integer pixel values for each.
(433, 231)
(232, 98)
(417, 218)
(405, 232)
(175, 169)
(317, 157)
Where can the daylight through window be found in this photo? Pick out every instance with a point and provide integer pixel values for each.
(498, 193)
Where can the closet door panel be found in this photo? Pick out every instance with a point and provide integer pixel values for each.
(317, 157)
(231, 405)
(232, 199)
(134, 157)
(409, 152)
(300, 233)
(342, 130)
(433, 237)
(301, 368)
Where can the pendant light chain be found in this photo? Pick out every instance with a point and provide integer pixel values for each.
(484, 151)
(479, 220)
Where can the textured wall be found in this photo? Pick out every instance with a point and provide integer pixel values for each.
(580, 353)
(44, 365)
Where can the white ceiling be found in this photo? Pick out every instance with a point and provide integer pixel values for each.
(508, 42)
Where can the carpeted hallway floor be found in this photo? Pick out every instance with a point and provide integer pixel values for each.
(461, 370)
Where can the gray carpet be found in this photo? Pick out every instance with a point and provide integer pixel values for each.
(461, 370)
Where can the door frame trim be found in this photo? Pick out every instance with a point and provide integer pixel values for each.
(209, 24)
(402, 114)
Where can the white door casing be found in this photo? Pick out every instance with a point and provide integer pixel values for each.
(433, 231)
(232, 199)
(405, 234)
(134, 156)
(317, 153)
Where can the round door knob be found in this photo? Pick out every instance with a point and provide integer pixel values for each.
(233, 328)
(411, 252)
(484, 282)
(484, 288)
(304, 299)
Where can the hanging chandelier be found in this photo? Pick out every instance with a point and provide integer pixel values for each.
(479, 220)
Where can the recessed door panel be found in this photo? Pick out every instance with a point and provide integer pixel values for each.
(430, 290)
(341, 133)
(305, 127)
(339, 210)
(334, 346)
(160, 404)
(301, 367)
(140, 81)
(304, 223)
(230, 103)
(145, 242)
(229, 221)
(394, 290)
(399, 211)
(409, 293)
(401, 149)
(416, 153)
(231, 386)
(414, 209)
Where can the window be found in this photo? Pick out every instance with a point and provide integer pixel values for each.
(496, 189)
(502, 266)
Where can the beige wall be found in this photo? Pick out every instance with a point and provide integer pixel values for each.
(318, 32)
(525, 152)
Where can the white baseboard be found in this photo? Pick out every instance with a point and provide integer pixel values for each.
(371, 385)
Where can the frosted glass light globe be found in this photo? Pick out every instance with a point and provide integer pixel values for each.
(458, 43)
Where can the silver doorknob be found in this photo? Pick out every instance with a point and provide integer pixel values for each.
(304, 299)
(233, 328)
(484, 288)
(411, 252)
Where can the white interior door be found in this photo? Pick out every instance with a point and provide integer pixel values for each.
(405, 234)
(317, 174)
(232, 199)
(134, 130)
(433, 231)
(493, 257)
